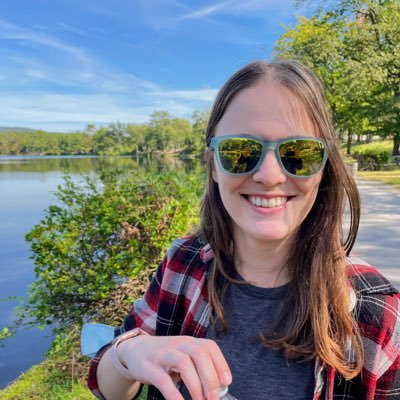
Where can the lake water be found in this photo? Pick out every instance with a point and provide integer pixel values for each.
(27, 185)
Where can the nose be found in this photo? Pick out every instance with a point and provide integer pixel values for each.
(269, 172)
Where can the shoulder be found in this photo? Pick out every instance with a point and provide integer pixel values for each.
(189, 256)
(367, 280)
(189, 247)
(377, 313)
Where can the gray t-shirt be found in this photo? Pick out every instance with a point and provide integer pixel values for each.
(259, 373)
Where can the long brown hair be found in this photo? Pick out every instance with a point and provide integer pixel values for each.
(317, 321)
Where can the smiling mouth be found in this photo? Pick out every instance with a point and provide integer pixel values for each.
(268, 203)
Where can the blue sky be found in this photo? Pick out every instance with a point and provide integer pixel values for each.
(67, 63)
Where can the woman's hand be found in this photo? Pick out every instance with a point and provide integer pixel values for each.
(163, 360)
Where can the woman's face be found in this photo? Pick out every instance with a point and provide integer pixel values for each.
(271, 112)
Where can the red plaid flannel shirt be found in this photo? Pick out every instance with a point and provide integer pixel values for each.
(176, 304)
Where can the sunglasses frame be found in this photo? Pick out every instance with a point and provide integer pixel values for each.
(267, 145)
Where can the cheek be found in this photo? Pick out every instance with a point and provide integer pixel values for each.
(311, 197)
(309, 187)
(309, 190)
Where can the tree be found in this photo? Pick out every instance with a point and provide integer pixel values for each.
(98, 235)
(136, 138)
(199, 125)
(369, 35)
(161, 135)
(324, 43)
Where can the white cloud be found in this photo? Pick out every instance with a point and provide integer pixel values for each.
(80, 91)
(55, 85)
(63, 112)
(13, 32)
(205, 95)
(205, 11)
(233, 7)
(73, 29)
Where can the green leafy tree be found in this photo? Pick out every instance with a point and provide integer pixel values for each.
(162, 134)
(199, 125)
(370, 38)
(99, 235)
(326, 43)
(182, 133)
(136, 138)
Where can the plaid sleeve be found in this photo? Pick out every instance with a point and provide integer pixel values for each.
(388, 385)
(388, 382)
(92, 377)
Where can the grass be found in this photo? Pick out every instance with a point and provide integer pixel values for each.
(389, 177)
(42, 382)
(46, 381)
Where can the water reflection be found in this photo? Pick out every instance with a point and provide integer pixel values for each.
(88, 165)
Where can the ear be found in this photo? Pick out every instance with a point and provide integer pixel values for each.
(214, 173)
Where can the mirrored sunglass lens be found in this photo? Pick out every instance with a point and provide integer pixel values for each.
(302, 157)
(239, 155)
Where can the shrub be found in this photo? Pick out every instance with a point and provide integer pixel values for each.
(98, 236)
(372, 156)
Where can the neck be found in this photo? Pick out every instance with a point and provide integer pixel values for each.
(262, 264)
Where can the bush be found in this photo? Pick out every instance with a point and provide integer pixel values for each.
(98, 236)
(372, 156)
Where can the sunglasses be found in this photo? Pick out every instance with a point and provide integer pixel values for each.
(298, 157)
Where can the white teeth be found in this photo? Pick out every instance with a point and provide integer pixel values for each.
(267, 203)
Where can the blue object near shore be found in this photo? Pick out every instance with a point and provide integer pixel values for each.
(95, 336)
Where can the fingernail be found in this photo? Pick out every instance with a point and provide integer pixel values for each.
(226, 378)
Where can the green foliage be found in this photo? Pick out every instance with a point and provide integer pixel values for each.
(44, 143)
(355, 49)
(162, 134)
(5, 333)
(166, 133)
(100, 234)
(372, 156)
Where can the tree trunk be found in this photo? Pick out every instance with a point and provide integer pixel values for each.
(396, 144)
(349, 141)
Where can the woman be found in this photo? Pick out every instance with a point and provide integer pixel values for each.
(264, 297)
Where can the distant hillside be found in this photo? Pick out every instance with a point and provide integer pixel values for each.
(15, 129)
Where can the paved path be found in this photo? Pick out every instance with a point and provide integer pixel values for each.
(378, 241)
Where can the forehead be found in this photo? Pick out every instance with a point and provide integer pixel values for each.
(266, 109)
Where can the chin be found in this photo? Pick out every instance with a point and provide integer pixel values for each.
(270, 237)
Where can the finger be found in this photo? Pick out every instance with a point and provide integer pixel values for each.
(177, 361)
(220, 364)
(163, 382)
(207, 373)
(191, 379)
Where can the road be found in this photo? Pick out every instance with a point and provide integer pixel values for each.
(378, 241)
